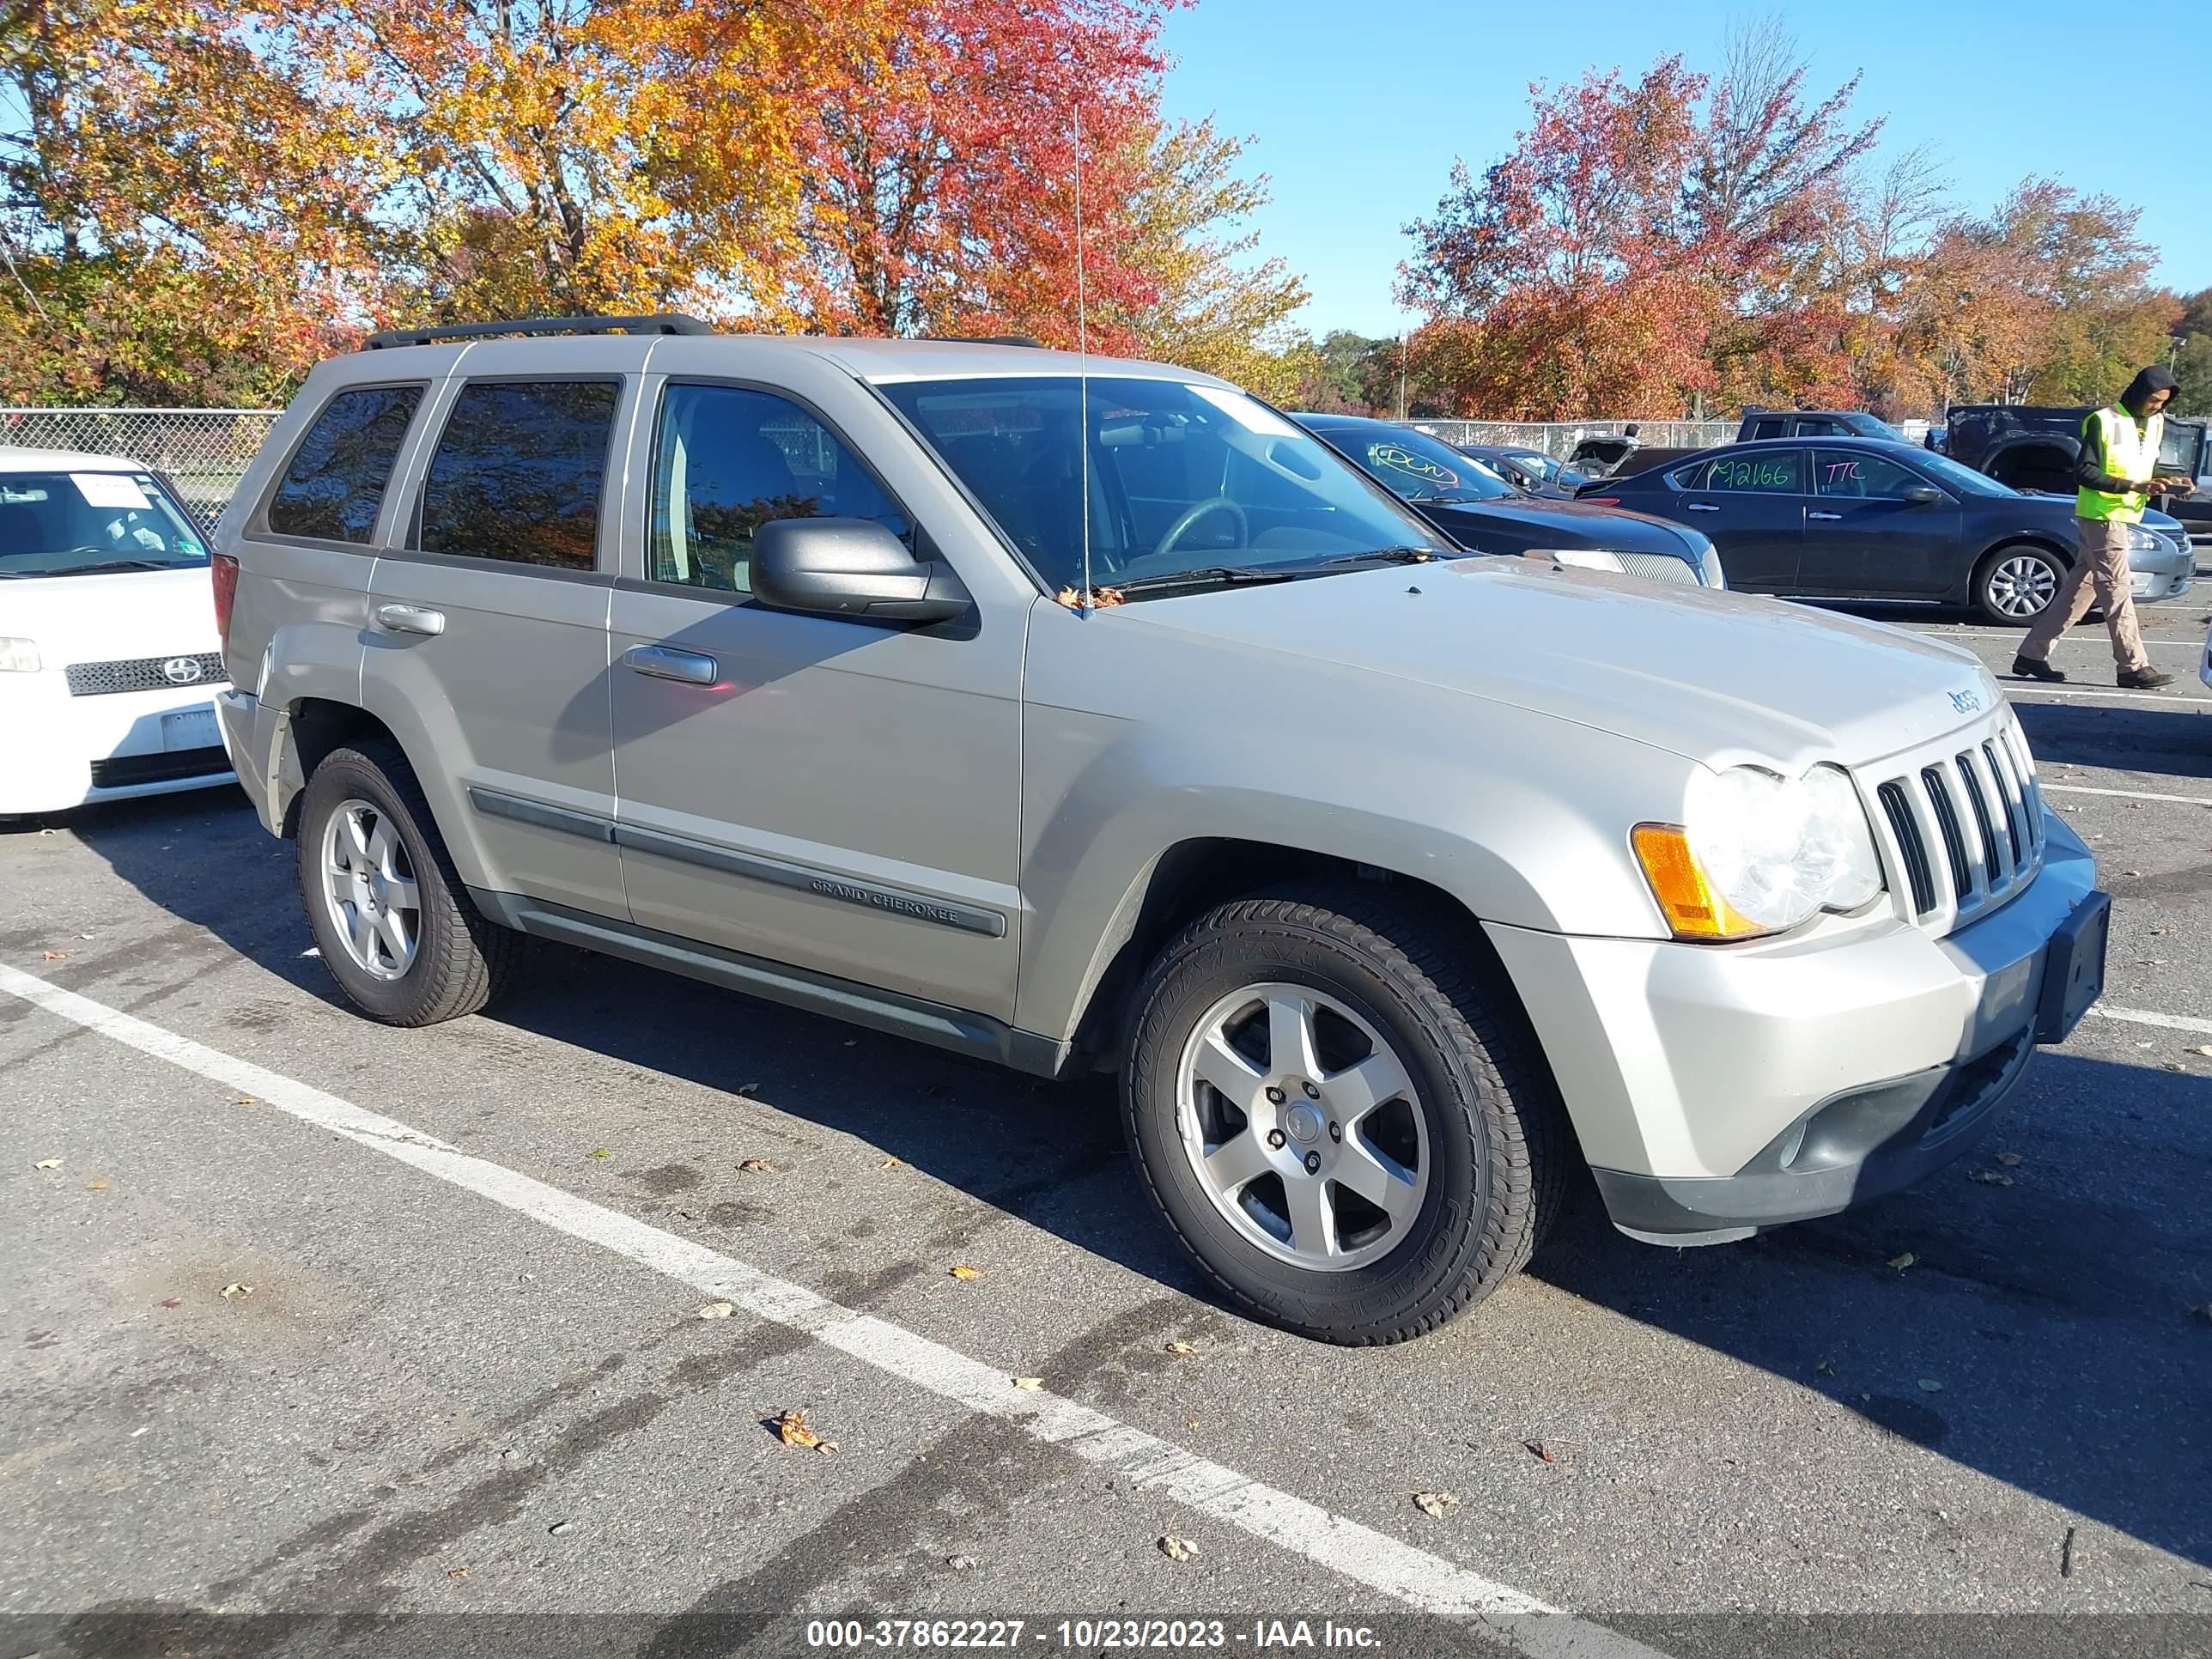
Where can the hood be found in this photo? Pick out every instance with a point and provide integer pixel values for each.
(1542, 522)
(1718, 678)
(2146, 380)
(110, 618)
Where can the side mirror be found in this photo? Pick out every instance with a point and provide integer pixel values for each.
(850, 568)
(1925, 496)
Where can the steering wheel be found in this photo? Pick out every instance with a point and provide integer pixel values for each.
(1197, 510)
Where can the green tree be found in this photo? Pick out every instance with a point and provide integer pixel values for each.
(2192, 363)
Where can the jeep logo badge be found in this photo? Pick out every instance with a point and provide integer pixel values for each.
(1965, 701)
(181, 670)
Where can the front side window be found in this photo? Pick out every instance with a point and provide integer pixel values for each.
(728, 460)
(1963, 478)
(1856, 474)
(1770, 472)
(519, 472)
(81, 524)
(335, 484)
(1180, 477)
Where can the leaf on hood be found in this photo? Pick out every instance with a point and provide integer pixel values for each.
(1436, 1504)
(1177, 1549)
(961, 1270)
(1901, 1262)
(1930, 1385)
(1990, 1177)
(2010, 1160)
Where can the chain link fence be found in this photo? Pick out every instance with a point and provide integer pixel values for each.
(1559, 438)
(204, 451)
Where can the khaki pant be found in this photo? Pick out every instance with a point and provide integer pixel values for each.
(2101, 576)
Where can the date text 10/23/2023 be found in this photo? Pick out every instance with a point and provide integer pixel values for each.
(1090, 1635)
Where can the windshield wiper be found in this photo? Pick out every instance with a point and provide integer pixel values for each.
(1215, 575)
(1391, 556)
(110, 567)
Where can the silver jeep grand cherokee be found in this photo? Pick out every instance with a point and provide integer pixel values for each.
(1389, 880)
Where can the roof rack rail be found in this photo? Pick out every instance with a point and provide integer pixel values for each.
(988, 339)
(668, 322)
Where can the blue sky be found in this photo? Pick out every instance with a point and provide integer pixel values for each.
(1357, 110)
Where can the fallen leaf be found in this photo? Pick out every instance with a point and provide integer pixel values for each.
(95, 1186)
(598, 1152)
(560, 1527)
(1190, 1422)
(960, 1563)
(54, 956)
(755, 1166)
(1930, 1385)
(456, 1572)
(1541, 1450)
(1901, 1262)
(2010, 1160)
(716, 1310)
(47, 1164)
(1990, 1177)
(236, 1292)
(961, 1270)
(1177, 1549)
(1182, 1347)
(892, 1163)
(1068, 597)
(1437, 1503)
(1825, 1368)
(748, 1090)
(248, 1100)
(2131, 872)
(2205, 1049)
(792, 1429)
(1031, 1383)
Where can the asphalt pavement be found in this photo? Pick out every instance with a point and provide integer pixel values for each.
(320, 1336)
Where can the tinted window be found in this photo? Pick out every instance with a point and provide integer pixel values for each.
(76, 524)
(336, 481)
(1767, 430)
(1416, 467)
(519, 473)
(1853, 473)
(729, 461)
(1776, 472)
(1180, 476)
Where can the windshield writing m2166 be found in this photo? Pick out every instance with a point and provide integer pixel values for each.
(1752, 474)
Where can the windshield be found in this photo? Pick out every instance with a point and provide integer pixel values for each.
(1416, 468)
(1181, 478)
(1873, 426)
(1959, 476)
(69, 524)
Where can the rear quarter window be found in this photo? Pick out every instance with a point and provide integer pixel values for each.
(519, 473)
(334, 485)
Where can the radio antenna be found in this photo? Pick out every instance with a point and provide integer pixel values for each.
(1082, 363)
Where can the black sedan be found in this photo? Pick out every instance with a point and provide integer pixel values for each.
(1872, 518)
(1481, 512)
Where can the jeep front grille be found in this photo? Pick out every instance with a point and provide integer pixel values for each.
(100, 679)
(1961, 829)
(1660, 567)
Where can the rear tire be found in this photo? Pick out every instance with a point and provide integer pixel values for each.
(2014, 585)
(1271, 1179)
(390, 916)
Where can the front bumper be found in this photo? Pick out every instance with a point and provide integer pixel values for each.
(1719, 1091)
(63, 751)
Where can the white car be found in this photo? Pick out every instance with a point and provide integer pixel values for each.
(2205, 673)
(109, 658)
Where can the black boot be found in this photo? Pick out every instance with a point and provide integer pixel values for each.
(2027, 668)
(2143, 680)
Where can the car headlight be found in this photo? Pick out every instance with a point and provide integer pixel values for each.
(2141, 540)
(1709, 562)
(1758, 853)
(1585, 558)
(19, 656)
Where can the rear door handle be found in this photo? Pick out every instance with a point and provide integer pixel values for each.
(410, 619)
(1824, 516)
(667, 663)
(1703, 507)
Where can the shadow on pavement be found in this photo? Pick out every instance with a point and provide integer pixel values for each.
(2049, 1300)
(2142, 738)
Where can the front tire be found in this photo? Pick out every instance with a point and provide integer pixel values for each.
(391, 917)
(2016, 584)
(1330, 1110)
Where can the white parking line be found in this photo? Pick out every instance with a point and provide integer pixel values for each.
(2141, 1017)
(2094, 637)
(2125, 794)
(1424, 1582)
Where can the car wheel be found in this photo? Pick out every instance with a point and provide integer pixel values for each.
(390, 915)
(2016, 584)
(1327, 1103)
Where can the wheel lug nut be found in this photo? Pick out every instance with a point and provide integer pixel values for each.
(1312, 1093)
(1335, 1131)
(1275, 1097)
(1313, 1162)
(1275, 1139)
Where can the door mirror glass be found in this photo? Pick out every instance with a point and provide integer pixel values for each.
(1924, 495)
(851, 568)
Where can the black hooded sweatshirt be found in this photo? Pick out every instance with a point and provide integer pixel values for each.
(2090, 472)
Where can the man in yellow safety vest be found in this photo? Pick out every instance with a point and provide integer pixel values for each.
(2117, 475)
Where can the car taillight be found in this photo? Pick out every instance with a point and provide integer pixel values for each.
(224, 574)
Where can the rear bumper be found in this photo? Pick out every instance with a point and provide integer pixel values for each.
(65, 751)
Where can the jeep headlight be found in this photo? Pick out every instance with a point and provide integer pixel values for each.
(1758, 853)
(19, 656)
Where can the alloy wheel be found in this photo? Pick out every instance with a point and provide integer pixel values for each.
(370, 889)
(2021, 586)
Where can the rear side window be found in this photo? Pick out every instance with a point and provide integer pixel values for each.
(727, 461)
(1767, 430)
(520, 471)
(1779, 473)
(335, 484)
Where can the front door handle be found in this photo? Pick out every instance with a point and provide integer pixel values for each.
(1824, 516)
(667, 663)
(410, 619)
(1703, 507)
